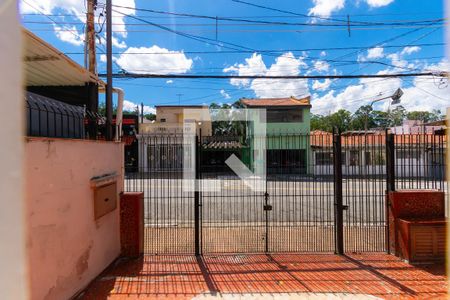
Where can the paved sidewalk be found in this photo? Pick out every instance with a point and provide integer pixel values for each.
(271, 276)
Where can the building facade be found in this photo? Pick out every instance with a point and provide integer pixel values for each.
(161, 142)
(287, 125)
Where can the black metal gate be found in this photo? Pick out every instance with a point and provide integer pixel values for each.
(323, 193)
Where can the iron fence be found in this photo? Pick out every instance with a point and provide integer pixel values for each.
(323, 192)
(47, 117)
(50, 118)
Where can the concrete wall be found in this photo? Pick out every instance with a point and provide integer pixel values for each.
(66, 247)
(13, 279)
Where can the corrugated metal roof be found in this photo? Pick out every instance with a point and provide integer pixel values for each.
(45, 65)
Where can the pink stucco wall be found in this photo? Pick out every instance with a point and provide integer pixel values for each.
(66, 247)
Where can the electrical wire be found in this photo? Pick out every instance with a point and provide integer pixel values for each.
(184, 76)
(341, 23)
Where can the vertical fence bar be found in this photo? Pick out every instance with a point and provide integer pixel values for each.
(197, 196)
(338, 199)
(390, 181)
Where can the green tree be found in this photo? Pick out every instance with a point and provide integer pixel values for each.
(397, 116)
(340, 120)
(363, 118)
(150, 116)
(425, 116)
(318, 123)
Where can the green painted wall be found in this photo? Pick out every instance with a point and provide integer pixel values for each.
(291, 128)
(286, 136)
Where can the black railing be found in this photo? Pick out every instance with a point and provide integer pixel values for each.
(50, 118)
(322, 192)
(47, 117)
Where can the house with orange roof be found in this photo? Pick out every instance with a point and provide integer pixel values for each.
(287, 124)
(419, 155)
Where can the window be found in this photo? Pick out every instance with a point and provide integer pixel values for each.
(285, 116)
(286, 161)
(374, 158)
(324, 158)
(407, 154)
(368, 158)
(379, 158)
(354, 158)
(163, 120)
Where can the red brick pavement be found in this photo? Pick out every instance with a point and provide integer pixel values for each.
(184, 277)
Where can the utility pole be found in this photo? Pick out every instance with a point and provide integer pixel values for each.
(90, 36)
(90, 60)
(109, 82)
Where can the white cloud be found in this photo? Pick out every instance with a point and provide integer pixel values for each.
(103, 58)
(422, 94)
(70, 35)
(78, 9)
(410, 50)
(131, 106)
(321, 66)
(428, 93)
(397, 60)
(379, 3)
(48, 6)
(286, 64)
(321, 86)
(354, 96)
(164, 62)
(225, 94)
(376, 52)
(325, 8)
(252, 66)
(118, 44)
(372, 53)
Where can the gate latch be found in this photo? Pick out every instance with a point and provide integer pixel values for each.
(267, 207)
(344, 207)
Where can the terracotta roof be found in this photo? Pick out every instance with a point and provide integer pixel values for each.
(325, 139)
(181, 106)
(287, 102)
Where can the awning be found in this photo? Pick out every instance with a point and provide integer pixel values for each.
(44, 65)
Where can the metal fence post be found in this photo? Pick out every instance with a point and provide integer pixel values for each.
(338, 199)
(197, 196)
(390, 182)
(390, 161)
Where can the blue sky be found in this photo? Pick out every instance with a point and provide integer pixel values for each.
(144, 48)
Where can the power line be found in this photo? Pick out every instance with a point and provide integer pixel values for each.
(406, 23)
(253, 16)
(263, 30)
(190, 36)
(185, 76)
(344, 23)
(272, 50)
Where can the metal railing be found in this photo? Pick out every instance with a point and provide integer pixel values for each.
(323, 192)
(50, 118)
(46, 117)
